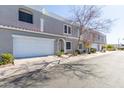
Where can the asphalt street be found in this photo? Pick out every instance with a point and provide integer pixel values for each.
(106, 71)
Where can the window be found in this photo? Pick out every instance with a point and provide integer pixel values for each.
(80, 46)
(102, 39)
(68, 45)
(25, 16)
(69, 30)
(65, 29)
(98, 37)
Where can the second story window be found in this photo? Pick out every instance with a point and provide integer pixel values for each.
(98, 37)
(25, 16)
(67, 29)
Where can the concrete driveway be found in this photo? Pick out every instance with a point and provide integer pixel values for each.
(102, 71)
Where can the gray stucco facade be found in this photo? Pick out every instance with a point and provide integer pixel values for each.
(52, 28)
(6, 39)
(9, 16)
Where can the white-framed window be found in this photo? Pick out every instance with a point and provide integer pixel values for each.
(80, 46)
(67, 29)
(25, 16)
(68, 45)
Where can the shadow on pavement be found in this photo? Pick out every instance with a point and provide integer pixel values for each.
(42, 77)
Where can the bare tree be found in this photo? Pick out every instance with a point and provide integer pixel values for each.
(89, 18)
(88, 38)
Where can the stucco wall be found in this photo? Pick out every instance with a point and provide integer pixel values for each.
(52, 25)
(6, 39)
(6, 44)
(9, 16)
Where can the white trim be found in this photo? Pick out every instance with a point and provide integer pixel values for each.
(67, 29)
(64, 44)
(30, 37)
(41, 24)
(24, 30)
(71, 45)
(25, 11)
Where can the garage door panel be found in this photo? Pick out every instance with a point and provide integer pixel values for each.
(30, 46)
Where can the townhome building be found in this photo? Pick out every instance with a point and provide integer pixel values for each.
(93, 39)
(99, 40)
(26, 32)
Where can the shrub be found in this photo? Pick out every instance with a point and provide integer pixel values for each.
(103, 49)
(93, 50)
(2, 63)
(110, 48)
(60, 53)
(7, 58)
(76, 52)
(104, 46)
(84, 51)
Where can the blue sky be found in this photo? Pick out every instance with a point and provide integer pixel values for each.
(111, 11)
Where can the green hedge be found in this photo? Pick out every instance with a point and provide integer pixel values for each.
(6, 58)
(60, 53)
(76, 52)
(93, 50)
(110, 47)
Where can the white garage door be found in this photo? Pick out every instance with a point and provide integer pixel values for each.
(95, 46)
(24, 46)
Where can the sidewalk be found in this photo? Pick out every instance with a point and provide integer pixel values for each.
(31, 64)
